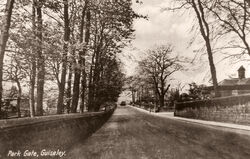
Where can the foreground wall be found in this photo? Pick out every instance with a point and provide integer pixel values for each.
(235, 109)
(52, 133)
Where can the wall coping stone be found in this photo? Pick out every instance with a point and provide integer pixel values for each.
(19, 122)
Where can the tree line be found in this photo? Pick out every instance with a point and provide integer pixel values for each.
(72, 42)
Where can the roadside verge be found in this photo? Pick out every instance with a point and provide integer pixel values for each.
(170, 115)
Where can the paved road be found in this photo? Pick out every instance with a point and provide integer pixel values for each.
(131, 134)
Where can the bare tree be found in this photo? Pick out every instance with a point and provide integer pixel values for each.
(233, 16)
(203, 16)
(159, 66)
(205, 32)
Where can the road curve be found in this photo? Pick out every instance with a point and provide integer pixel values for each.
(131, 134)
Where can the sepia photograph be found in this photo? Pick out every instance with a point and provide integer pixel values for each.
(124, 79)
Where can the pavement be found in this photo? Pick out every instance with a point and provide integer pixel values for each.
(170, 115)
(132, 133)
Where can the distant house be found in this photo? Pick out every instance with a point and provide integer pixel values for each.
(235, 86)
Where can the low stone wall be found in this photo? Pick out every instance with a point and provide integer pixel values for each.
(234, 109)
(47, 135)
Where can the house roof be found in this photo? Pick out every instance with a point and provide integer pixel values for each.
(240, 83)
(228, 82)
(234, 82)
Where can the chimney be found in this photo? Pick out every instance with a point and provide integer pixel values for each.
(241, 72)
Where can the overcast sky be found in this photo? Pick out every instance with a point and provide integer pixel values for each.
(164, 27)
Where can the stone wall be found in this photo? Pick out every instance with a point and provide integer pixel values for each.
(57, 132)
(230, 109)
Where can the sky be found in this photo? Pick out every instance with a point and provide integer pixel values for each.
(163, 27)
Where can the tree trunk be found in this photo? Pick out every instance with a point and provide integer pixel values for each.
(94, 85)
(90, 95)
(83, 88)
(76, 87)
(133, 96)
(91, 74)
(3, 41)
(32, 95)
(161, 97)
(60, 103)
(139, 96)
(96, 76)
(68, 92)
(40, 62)
(205, 32)
(33, 66)
(87, 38)
(212, 69)
(75, 96)
(19, 98)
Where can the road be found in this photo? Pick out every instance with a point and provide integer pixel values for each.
(132, 134)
